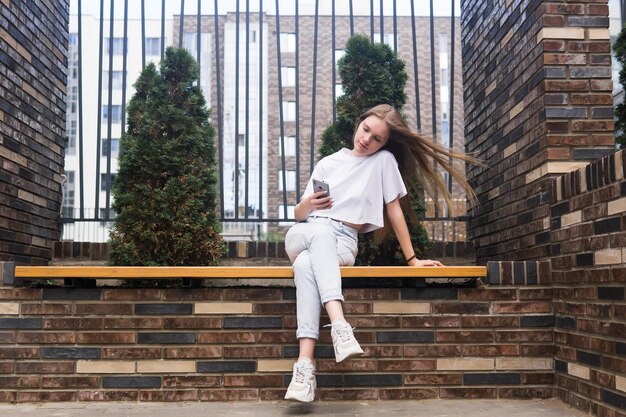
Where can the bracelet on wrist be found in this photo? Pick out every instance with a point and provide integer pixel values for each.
(411, 258)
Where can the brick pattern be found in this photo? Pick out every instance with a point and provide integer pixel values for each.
(170, 344)
(537, 79)
(538, 100)
(33, 47)
(588, 225)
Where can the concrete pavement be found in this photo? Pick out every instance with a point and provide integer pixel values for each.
(425, 408)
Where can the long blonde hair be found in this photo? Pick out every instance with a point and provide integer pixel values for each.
(415, 155)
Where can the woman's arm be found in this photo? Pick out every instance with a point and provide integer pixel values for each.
(315, 201)
(396, 217)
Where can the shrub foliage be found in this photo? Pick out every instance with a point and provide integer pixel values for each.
(372, 74)
(165, 191)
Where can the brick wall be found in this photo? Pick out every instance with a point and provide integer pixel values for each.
(538, 98)
(33, 49)
(538, 104)
(588, 226)
(64, 344)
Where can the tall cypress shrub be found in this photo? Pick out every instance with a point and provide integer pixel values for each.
(372, 74)
(165, 191)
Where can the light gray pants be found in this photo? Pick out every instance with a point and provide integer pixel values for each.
(317, 247)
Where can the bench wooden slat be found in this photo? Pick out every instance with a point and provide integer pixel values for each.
(278, 272)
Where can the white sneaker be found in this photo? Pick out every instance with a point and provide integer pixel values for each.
(303, 384)
(344, 342)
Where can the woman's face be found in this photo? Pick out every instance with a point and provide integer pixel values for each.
(371, 135)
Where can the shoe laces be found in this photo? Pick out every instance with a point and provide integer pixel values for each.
(303, 372)
(342, 331)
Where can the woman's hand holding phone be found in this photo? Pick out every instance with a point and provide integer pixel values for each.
(320, 201)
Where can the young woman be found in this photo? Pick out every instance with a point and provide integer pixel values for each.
(366, 185)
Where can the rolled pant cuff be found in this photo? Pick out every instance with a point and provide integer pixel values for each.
(309, 334)
(332, 297)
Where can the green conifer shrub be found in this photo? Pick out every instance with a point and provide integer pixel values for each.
(372, 74)
(165, 192)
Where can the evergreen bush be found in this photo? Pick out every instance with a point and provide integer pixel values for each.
(372, 74)
(165, 191)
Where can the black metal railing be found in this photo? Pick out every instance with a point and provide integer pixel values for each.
(214, 20)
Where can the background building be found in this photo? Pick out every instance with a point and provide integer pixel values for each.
(262, 102)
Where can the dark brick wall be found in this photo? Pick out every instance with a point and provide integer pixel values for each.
(234, 344)
(588, 226)
(538, 105)
(538, 101)
(33, 49)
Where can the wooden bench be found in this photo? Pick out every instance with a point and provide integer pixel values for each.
(10, 274)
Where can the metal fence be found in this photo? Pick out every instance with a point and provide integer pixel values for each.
(270, 87)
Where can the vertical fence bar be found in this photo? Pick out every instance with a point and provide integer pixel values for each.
(124, 66)
(280, 113)
(351, 19)
(418, 117)
(313, 89)
(334, 75)
(382, 23)
(261, 14)
(395, 26)
(432, 87)
(162, 29)
(220, 131)
(143, 34)
(199, 42)
(372, 20)
(99, 125)
(298, 101)
(247, 138)
(81, 152)
(237, 112)
(451, 110)
(110, 111)
(181, 23)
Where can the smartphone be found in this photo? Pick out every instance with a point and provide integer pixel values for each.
(321, 186)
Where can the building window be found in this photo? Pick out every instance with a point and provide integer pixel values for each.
(115, 147)
(339, 53)
(289, 111)
(241, 140)
(445, 132)
(291, 180)
(287, 42)
(73, 39)
(71, 138)
(116, 80)
(153, 46)
(290, 146)
(104, 181)
(117, 45)
(288, 76)
(291, 214)
(67, 207)
(388, 38)
(112, 214)
(116, 113)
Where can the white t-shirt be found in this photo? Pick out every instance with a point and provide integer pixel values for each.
(359, 185)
